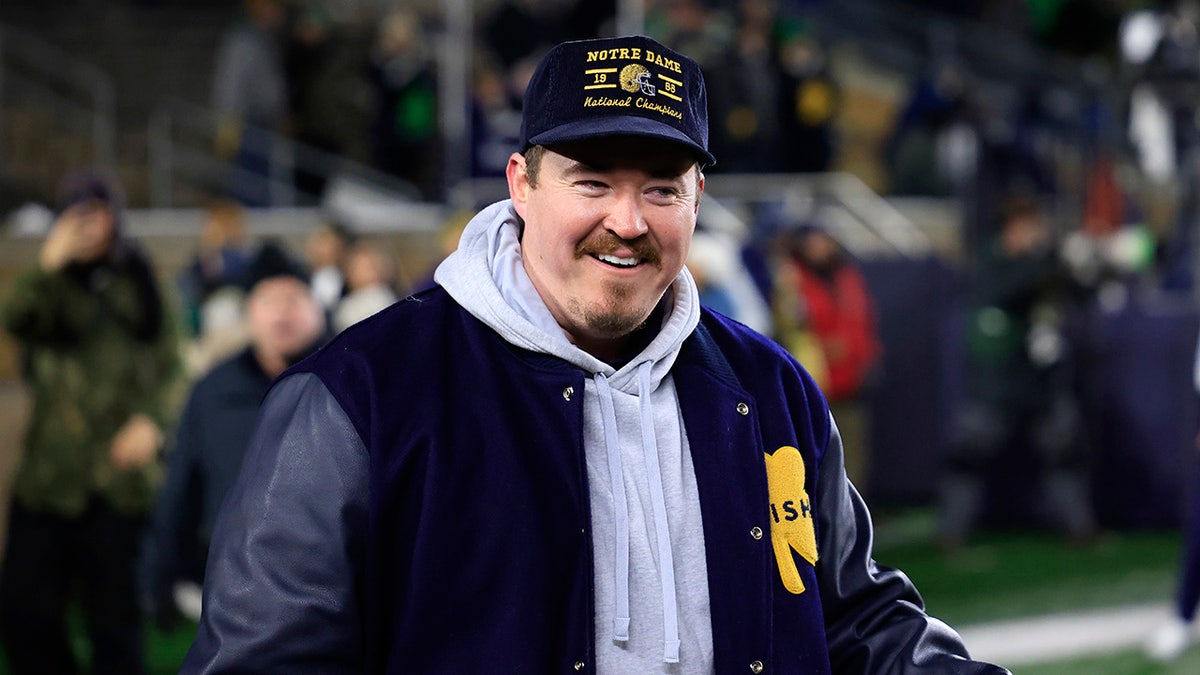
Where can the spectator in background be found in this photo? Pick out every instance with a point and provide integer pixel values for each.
(839, 311)
(211, 287)
(929, 150)
(1161, 54)
(1019, 153)
(285, 323)
(370, 283)
(326, 250)
(327, 90)
(1020, 407)
(745, 98)
(220, 261)
(404, 134)
(250, 96)
(100, 358)
(789, 317)
(495, 119)
(711, 265)
(722, 257)
(808, 99)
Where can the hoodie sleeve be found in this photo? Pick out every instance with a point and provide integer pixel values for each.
(875, 619)
(281, 591)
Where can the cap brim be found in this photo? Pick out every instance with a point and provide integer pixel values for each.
(628, 125)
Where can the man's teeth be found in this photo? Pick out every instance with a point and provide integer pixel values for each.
(619, 262)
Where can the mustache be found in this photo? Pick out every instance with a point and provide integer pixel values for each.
(608, 243)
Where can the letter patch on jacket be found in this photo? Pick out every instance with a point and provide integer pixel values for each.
(791, 515)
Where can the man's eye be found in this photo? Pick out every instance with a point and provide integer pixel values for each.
(591, 185)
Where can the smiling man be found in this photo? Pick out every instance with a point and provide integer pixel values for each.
(556, 460)
(607, 227)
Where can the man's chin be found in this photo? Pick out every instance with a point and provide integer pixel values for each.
(614, 323)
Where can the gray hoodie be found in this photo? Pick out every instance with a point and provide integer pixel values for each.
(651, 585)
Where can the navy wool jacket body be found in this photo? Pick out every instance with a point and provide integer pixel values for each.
(416, 501)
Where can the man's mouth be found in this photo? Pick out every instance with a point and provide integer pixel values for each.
(619, 253)
(617, 261)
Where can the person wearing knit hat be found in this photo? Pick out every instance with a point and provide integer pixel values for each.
(556, 459)
(285, 323)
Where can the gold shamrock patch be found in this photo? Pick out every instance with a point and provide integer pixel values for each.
(791, 515)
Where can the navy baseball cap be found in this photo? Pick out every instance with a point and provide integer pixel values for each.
(622, 86)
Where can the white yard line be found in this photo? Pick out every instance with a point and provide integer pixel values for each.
(1061, 636)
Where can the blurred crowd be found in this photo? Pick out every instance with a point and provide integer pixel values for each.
(1105, 145)
(361, 80)
(145, 395)
(1072, 200)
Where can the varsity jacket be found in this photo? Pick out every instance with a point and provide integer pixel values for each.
(415, 501)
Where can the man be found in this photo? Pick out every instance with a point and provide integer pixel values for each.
(325, 250)
(250, 97)
(370, 283)
(285, 323)
(101, 361)
(555, 460)
(1020, 407)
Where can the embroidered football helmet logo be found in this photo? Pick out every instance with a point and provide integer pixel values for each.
(634, 77)
(791, 515)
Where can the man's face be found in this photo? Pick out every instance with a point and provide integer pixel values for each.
(818, 248)
(324, 248)
(365, 267)
(95, 229)
(283, 317)
(607, 228)
(1024, 234)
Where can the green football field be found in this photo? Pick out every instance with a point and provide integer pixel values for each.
(1000, 576)
(1011, 575)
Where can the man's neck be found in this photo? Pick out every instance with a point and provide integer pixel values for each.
(272, 364)
(619, 352)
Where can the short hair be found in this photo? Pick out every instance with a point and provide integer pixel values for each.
(533, 163)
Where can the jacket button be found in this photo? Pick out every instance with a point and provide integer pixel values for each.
(567, 394)
(756, 667)
(756, 532)
(743, 409)
(579, 665)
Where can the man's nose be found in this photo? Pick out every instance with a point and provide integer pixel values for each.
(625, 218)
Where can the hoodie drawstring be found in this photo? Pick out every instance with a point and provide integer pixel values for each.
(666, 559)
(621, 513)
(620, 509)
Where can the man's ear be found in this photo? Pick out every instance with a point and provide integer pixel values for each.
(518, 182)
(699, 189)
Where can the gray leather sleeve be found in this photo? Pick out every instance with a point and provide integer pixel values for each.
(875, 620)
(281, 588)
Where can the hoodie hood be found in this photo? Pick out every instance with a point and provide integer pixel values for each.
(634, 442)
(485, 275)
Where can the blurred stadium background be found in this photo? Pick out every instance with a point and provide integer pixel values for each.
(1043, 100)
